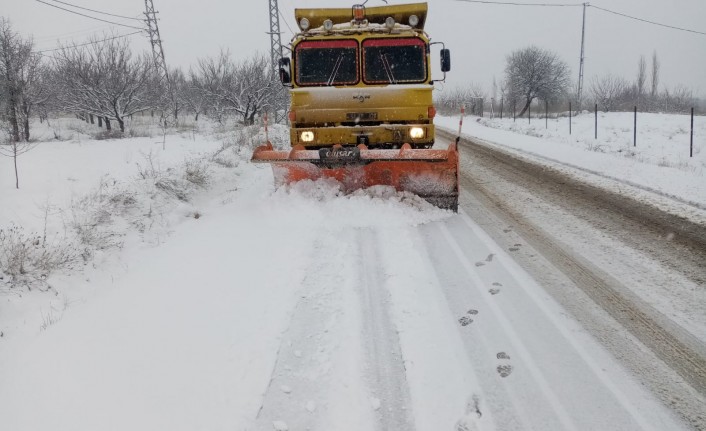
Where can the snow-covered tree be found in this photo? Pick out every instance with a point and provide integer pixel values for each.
(535, 73)
(245, 88)
(105, 80)
(18, 67)
(20, 88)
(609, 91)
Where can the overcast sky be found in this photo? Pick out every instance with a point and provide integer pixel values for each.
(480, 36)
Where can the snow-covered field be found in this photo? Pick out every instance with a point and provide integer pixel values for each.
(197, 297)
(659, 163)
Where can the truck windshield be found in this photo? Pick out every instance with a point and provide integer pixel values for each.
(394, 61)
(333, 62)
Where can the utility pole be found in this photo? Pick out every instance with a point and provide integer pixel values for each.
(275, 54)
(583, 38)
(275, 37)
(160, 63)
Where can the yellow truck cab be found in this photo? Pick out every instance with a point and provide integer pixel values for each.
(361, 76)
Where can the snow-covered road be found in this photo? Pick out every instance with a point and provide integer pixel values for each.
(307, 310)
(247, 308)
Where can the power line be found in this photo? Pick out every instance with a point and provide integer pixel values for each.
(285, 22)
(92, 42)
(97, 11)
(88, 16)
(55, 36)
(646, 21)
(508, 3)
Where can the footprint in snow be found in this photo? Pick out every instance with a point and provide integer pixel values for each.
(494, 291)
(504, 369)
(490, 257)
(514, 249)
(465, 321)
(497, 284)
(480, 263)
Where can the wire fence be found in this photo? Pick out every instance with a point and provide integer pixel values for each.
(542, 112)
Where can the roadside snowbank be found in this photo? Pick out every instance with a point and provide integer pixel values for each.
(660, 163)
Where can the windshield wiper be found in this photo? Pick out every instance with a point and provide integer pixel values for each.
(388, 69)
(336, 67)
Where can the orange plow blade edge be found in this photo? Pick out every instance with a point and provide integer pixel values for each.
(430, 174)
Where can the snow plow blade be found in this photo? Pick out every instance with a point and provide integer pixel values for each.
(430, 174)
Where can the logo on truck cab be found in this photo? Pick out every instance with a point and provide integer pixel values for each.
(361, 97)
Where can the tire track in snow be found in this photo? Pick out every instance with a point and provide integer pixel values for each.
(317, 381)
(385, 364)
(446, 391)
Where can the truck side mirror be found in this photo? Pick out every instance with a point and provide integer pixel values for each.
(445, 60)
(285, 71)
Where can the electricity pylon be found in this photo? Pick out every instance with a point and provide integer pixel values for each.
(280, 97)
(275, 36)
(160, 63)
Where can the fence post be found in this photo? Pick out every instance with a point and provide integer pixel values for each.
(691, 143)
(529, 113)
(569, 118)
(634, 138)
(501, 107)
(514, 107)
(595, 110)
(546, 114)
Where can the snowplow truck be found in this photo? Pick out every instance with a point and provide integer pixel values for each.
(361, 104)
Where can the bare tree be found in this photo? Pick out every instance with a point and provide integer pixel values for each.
(193, 94)
(536, 73)
(14, 149)
(18, 86)
(103, 79)
(679, 99)
(655, 75)
(34, 82)
(246, 88)
(14, 53)
(608, 91)
(471, 96)
(179, 83)
(641, 78)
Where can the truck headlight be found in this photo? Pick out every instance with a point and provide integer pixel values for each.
(416, 133)
(307, 136)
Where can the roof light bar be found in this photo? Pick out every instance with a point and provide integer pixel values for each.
(358, 13)
(328, 25)
(413, 20)
(304, 24)
(390, 22)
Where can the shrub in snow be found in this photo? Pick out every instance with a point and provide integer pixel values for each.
(196, 172)
(173, 187)
(108, 134)
(92, 216)
(29, 257)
